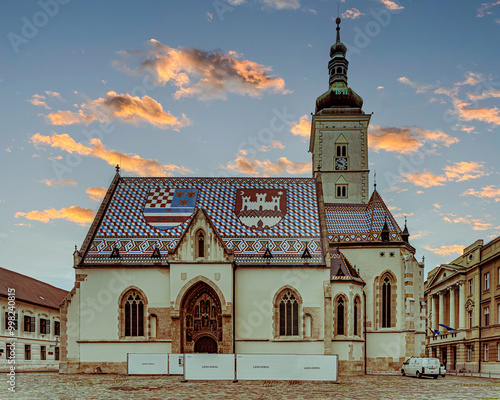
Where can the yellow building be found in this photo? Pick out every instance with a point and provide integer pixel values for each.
(463, 309)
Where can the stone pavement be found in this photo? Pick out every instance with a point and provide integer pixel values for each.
(34, 386)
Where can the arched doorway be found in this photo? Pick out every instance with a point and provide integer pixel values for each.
(201, 320)
(205, 344)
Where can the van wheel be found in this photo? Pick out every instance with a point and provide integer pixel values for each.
(418, 374)
(435, 376)
(403, 372)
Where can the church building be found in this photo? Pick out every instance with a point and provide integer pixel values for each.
(252, 265)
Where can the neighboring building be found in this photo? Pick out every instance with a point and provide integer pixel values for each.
(465, 295)
(252, 265)
(37, 327)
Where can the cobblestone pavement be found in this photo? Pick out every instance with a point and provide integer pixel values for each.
(67, 387)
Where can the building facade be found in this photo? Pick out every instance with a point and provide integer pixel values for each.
(252, 265)
(463, 302)
(30, 326)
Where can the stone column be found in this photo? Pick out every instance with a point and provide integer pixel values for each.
(452, 307)
(435, 311)
(430, 311)
(461, 305)
(441, 308)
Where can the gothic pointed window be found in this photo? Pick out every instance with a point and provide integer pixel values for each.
(356, 311)
(133, 305)
(340, 316)
(288, 314)
(200, 244)
(386, 303)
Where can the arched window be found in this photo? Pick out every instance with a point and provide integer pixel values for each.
(200, 244)
(386, 302)
(356, 311)
(134, 314)
(340, 316)
(288, 314)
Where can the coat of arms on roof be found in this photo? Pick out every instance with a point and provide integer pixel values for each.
(167, 208)
(260, 208)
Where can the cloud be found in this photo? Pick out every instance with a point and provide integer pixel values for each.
(236, 2)
(446, 250)
(57, 182)
(488, 192)
(425, 179)
(476, 223)
(471, 78)
(406, 140)
(210, 16)
(464, 171)
(96, 193)
(207, 75)
(128, 162)
(467, 113)
(457, 172)
(54, 94)
(127, 108)
(81, 216)
(302, 127)
(437, 205)
(275, 144)
(380, 87)
(352, 13)
(487, 94)
(266, 167)
(282, 4)
(403, 214)
(419, 87)
(39, 101)
(391, 5)
(483, 10)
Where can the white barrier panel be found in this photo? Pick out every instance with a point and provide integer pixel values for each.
(147, 364)
(276, 367)
(176, 364)
(209, 367)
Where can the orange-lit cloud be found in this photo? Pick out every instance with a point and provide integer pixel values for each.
(54, 94)
(446, 250)
(126, 108)
(467, 113)
(425, 179)
(406, 140)
(391, 5)
(266, 167)
(476, 223)
(57, 182)
(206, 75)
(275, 144)
(403, 214)
(302, 127)
(471, 79)
(419, 87)
(352, 13)
(487, 94)
(282, 4)
(128, 162)
(464, 171)
(489, 192)
(39, 101)
(96, 193)
(79, 215)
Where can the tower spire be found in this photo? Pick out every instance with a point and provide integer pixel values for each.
(337, 21)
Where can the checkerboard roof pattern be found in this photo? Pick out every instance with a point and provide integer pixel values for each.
(360, 222)
(123, 224)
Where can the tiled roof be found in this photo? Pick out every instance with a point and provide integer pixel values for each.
(341, 269)
(352, 223)
(144, 213)
(30, 290)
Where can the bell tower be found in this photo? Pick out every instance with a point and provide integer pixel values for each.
(338, 141)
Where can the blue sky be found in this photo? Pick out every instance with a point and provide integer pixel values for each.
(226, 88)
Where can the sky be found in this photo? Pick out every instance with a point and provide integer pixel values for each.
(227, 88)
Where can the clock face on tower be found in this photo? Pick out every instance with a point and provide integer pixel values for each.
(341, 163)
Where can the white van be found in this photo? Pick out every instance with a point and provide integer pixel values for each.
(421, 366)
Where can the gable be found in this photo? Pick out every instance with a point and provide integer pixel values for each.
(443, 273)
(214, 249)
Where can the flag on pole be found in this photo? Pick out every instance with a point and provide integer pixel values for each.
(435, 332)
(447, 327)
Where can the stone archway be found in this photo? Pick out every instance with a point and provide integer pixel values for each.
(205, 344)
(201, 320)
